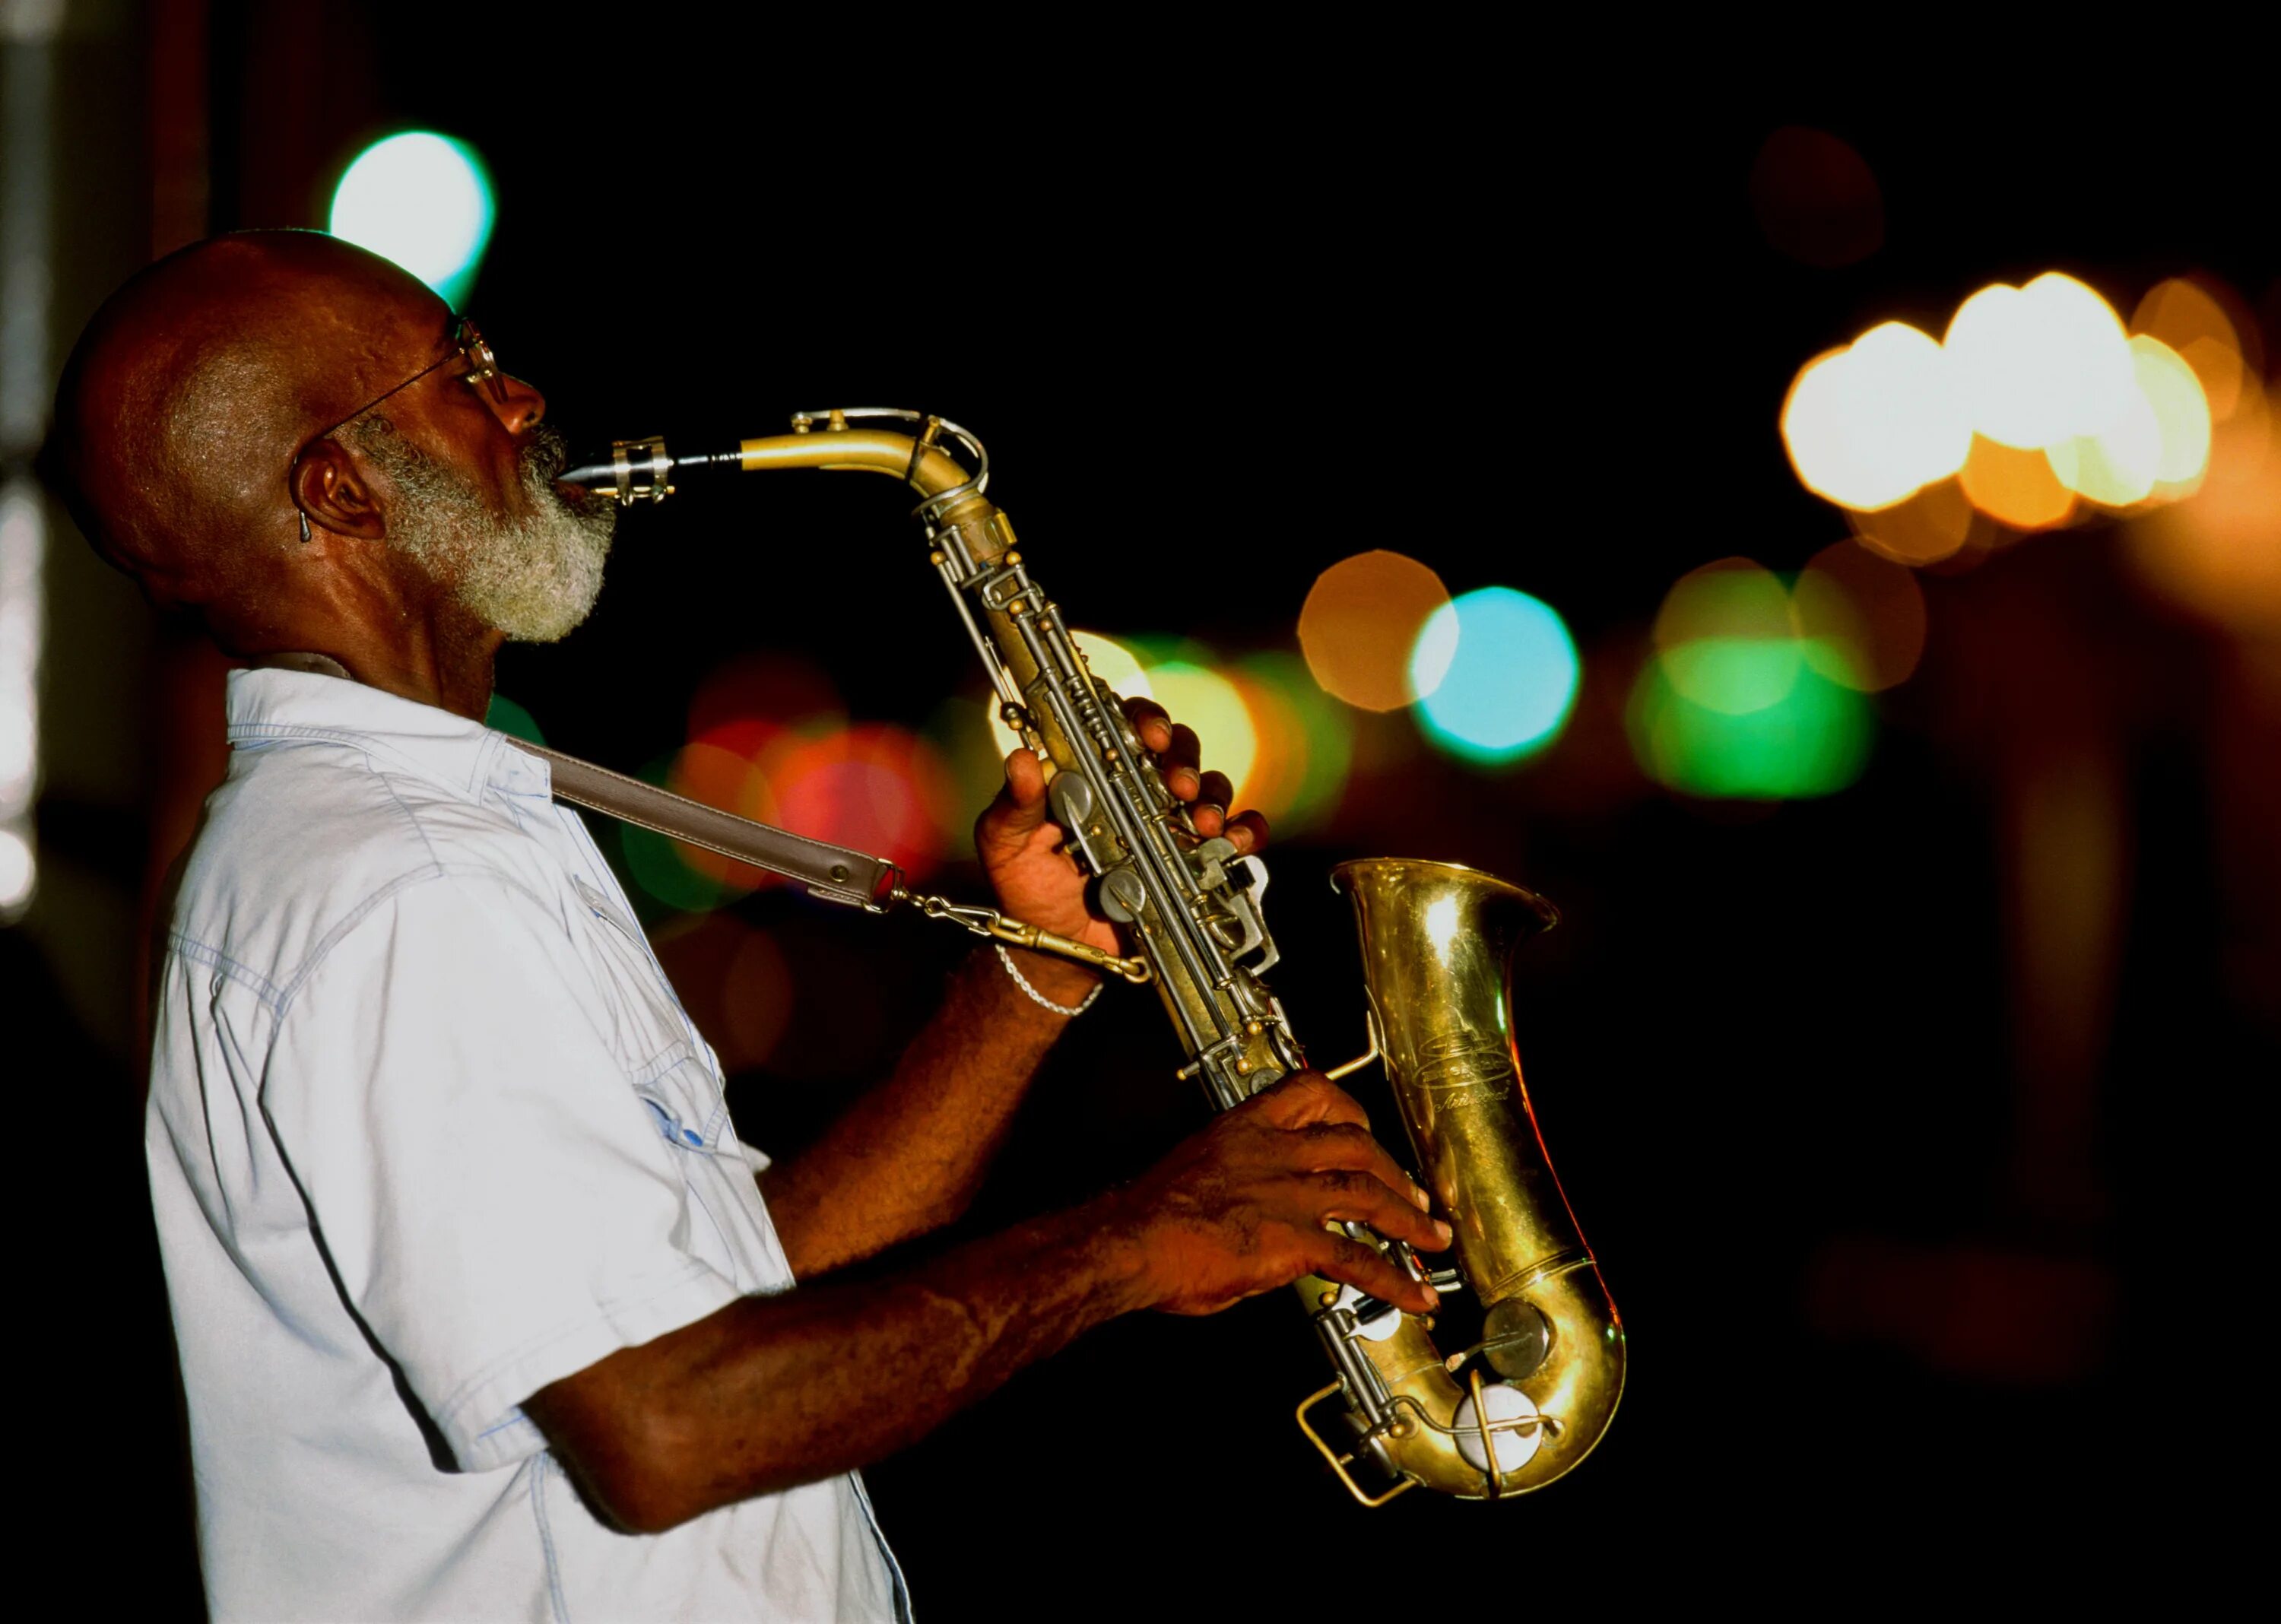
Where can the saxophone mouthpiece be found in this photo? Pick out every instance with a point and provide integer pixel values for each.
(641, 470)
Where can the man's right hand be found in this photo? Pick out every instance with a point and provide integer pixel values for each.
(1240, 1208)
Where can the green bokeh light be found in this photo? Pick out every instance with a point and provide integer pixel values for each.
(656, 869)
(505, 716)
(424, 200)
(1326, 745)
(1813, 740)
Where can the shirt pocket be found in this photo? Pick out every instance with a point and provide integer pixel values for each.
(730, 1225)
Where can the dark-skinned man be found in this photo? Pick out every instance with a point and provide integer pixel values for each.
(483, 1310)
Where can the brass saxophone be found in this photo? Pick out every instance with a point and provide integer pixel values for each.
(1533, 1391)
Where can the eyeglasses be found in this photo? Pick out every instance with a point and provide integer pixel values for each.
(467, 344)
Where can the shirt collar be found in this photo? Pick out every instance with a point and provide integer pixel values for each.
(462, 756)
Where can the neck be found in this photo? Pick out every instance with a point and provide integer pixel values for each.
(435, 652)
(445, 660)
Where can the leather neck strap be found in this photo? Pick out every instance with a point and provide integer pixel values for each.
(836, 873)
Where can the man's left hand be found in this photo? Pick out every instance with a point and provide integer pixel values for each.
(1021, 846)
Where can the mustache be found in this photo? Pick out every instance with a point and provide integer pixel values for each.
(546, 454)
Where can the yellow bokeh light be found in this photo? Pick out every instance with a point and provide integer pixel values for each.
(1933, 524)
(1212, 704)
(2190, 321)
(2182, 415)
(1869, 425)
(1862, 617)
(2115, 467)
(1110, 661)
(2014, 487)
(1360, 622)
(2160, 446)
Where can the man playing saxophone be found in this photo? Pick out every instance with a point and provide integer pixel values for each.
(483, 1307)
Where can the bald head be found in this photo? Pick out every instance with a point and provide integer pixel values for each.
(184, 402)
(258, 379)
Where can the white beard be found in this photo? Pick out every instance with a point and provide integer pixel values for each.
(533, 578)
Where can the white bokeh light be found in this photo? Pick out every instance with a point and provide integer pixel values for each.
(424, 200)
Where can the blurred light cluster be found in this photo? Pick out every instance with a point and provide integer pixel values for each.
(1261, 720)
(2219, 554)
(424, 200)
(768, 739)
(1756, 686)
(1492, 675)
(2037, 406)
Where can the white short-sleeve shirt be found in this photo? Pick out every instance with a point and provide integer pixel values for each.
(427, 1131)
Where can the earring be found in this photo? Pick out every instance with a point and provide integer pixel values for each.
(305, 527)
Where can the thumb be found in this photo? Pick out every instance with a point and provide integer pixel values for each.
(1020, 808)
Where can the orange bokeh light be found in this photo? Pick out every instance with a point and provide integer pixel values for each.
(2189, 319)
(2219, 552)
(1360, 622)
(2014, 487)
(1862, 617)
(1929, 526)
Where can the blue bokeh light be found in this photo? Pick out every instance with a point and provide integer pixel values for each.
(1508, 675)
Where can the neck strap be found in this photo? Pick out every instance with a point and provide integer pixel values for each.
(836, 873)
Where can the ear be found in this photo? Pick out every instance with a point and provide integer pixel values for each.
(328, 487)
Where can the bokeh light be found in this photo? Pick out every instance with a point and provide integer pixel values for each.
(1201, 697)
(1109, 662)
(1306, 743)
(2174, 392)
(2115, 467)
(1285, 746)
(505, 716)
(1931, 525)
(2061, 407)
(878, 788)
(1361, 622)
(1509, 673)
(1727, 637)
(769, 742)
(423, 200)
(1736, 703)
(768, 686)
(1814, 740)
(1815, 199)
(657, 865)
(2040, 365)
(2160, 443)
(1861, 618)
(2016, 487)
(1869, 425)
(2189, 319)
(2220, 553)
(734, 979)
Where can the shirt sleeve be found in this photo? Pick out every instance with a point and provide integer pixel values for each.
(494, 1201)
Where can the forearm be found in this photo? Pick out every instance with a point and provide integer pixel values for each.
(908, 1157)
(770, 1392)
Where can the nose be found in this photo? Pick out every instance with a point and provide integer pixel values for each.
(521, 408)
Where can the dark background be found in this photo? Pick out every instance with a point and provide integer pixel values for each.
(1910, 1282)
